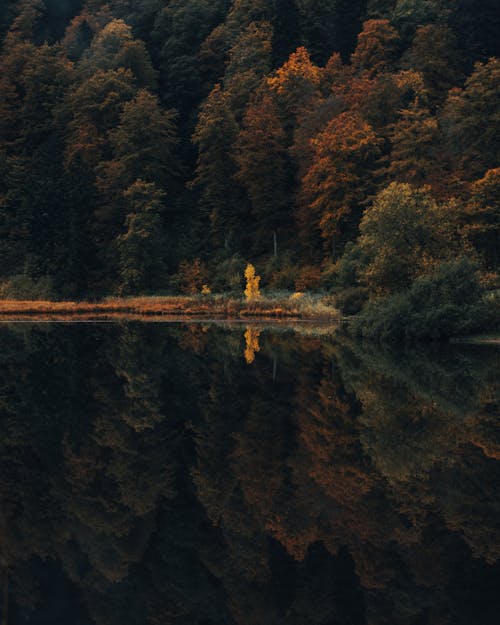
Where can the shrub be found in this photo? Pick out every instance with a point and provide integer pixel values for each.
(24, 287)
(351, 301)
(309, 278)
(228, 275)
(446, 303)
(346, 271)
(191, 277)
(280, 273)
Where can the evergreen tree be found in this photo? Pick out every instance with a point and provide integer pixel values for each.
(140, 248)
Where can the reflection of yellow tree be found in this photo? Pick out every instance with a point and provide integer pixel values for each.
(252, 344)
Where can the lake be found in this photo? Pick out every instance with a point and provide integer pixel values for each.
(204, 474)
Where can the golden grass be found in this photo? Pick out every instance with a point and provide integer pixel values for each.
(215, 306)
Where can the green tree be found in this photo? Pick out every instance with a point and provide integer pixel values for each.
(144, 141)
(482, 217)
(434, 53)
(473, 142)
(262, 160)
(114, 47)
(249, 60)
(377, 48)
(215, 136)
(140, 248)
(403, 234)
(414, 139)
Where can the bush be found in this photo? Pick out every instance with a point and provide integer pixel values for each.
(351, 301)
(228, 275)
(448, 302)
(346, 271)
(191, 277)
(309, 278)
(280, 273)
(24, 287)
(284, 278)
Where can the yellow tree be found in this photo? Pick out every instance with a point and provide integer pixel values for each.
(252, 289)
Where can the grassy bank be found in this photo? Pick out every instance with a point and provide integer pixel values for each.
(282, 306)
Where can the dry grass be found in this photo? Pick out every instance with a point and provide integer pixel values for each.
(214, 306)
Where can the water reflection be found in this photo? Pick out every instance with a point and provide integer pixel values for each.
(195, 475)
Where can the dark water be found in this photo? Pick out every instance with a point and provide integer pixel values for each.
(199, 475)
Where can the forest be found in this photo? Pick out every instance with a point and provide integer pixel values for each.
(348, 147)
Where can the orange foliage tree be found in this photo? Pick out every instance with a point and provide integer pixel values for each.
(341, 176)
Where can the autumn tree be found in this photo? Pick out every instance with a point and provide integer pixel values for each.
(252, 287)
(340, 178)
(295, 85)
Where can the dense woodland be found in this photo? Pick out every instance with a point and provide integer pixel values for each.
(149, 475)
(350, 146)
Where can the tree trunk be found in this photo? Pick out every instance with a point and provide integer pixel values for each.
(275, 243)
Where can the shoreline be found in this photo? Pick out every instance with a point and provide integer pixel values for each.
(173, 308)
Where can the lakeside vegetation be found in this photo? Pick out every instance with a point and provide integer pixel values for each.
(277, 306)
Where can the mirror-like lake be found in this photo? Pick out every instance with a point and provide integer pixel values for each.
(195, 474)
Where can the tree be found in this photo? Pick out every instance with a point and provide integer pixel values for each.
(179, 29)
(409, 15)
(295, 85)
(252, 288)
(482, 217)
(114, 47)
(434, 53)
(262, 161)
(145, 139)
(377, 48)
(215, 136)
(414, 140)
(91, 110)
(340, 179)
(249, 60)
(403, 234)
(140, 247)
(473, 142)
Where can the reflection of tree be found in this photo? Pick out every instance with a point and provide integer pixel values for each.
(252, 344)
(153, 477)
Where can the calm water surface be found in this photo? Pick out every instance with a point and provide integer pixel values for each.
(158, 474)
